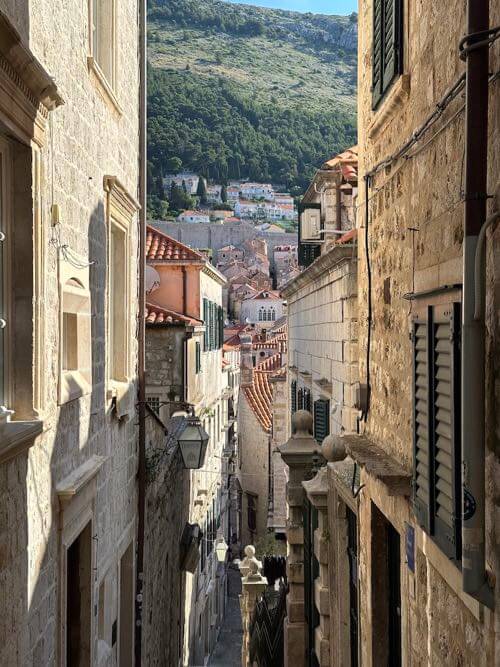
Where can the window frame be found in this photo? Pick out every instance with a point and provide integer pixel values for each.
(121, 210)
(107, 83)
(74, 299)
(381, 85)
(444, 310)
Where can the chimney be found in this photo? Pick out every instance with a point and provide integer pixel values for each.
(246, 376)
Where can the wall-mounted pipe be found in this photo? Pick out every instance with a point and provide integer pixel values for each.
(474, 579)
(479, 266)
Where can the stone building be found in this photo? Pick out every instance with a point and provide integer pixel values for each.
(185, 366)
(262, 309)
(399, 527)
(69, 155)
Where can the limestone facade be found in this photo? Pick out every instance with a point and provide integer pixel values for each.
(415, 244)
(69, 143)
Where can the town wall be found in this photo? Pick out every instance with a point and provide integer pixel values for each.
(217, 236)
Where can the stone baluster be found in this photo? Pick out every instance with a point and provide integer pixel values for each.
(253, 585)
(299, 453)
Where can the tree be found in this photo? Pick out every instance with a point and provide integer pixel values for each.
(223, 194)
(201, 191)
(173, 165)
(179, 200)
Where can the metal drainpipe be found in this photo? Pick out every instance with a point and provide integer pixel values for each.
(473, 331)
(141, 471)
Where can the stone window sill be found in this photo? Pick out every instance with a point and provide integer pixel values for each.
(394, 99)
(122, 395)
(17, 436)
(104, 84)
(73, 386)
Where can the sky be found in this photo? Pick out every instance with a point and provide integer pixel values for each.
(315, 6)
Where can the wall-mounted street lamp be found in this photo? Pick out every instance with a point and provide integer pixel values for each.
(193, 441)
(221, 550)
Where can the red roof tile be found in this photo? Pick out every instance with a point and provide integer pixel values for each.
(259, 394)
(160, 247)
(156, 315)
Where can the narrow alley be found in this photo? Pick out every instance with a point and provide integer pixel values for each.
(227, 652)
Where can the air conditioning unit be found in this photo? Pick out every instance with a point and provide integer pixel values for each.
(310, 222)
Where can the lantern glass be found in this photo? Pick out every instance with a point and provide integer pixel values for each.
(193, 443)
(221, 550)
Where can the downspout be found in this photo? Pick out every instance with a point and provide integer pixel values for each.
(141, 471)
(184, 290)
(474, 579)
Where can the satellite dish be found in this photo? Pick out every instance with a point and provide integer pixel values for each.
(152, 279)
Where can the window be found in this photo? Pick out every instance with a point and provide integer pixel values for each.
(293, 396)
(154, 404)
(121, 210)
(213, 318)
(102, 21)
(197, 357)
(252, 512)
(261, 314)
(321, 419)
(75, 375)
(436, 424)
(387, 56)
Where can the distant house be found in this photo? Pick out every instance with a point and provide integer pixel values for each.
(265, 306)
(256, 190)
(193, 216)
(187, 178)
(214, 194)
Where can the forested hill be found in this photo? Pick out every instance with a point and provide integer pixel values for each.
(237, 91)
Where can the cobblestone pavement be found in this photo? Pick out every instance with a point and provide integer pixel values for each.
(227, 651)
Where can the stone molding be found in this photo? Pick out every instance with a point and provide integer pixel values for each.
(329, 260)
(27, 91)
(396, 97)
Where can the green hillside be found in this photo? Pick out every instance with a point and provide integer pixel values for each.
(237, 91)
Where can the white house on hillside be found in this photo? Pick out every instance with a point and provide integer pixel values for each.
(262, 309)
(193, 216)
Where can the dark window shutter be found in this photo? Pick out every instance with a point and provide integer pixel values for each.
(307, 400)
(211, 315)
(422, 423)
(447, 444)
(300, 399)
(436, 426)
(293, 396)
(387, 45)
(321, 419)
(377, 53)
(206, 323)
(198, 357)
(307, 253)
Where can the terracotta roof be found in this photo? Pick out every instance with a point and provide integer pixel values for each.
(347, 161)
(160, 247)
(259, 394)
(348, 236)
(156, 315)
(271, 294)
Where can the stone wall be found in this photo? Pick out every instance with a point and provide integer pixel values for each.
(85, 139)
(415, 244)
(322, 334)
(217, 236)
(167, 511)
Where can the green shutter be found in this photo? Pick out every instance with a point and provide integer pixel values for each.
(321, 419)
(387, 45)
(377, 52)
(307, 400)
(436, 426)
(198, 357)
(293, 396)
(221, 326)
(205, 322)
(300, 399)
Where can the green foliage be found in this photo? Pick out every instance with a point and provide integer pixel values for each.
(269, 546)
(201, 191)
(237, 91)
(179, 199)
(218, 132)
(223, 195)
(173, 165)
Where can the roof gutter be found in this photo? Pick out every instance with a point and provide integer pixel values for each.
(141, 471)
(474, 579)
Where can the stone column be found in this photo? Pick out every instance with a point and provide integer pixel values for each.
(253, 585)
(299, 453)
(317, 493)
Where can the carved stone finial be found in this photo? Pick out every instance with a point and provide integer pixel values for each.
(249, 551)
(302, 423)
(333, 448)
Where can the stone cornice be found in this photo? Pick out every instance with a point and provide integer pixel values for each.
(214, 273)
(121, 198)
(329, 260)
(27, 91)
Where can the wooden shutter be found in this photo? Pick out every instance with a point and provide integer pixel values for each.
(447, 443)
(293, 396)
(377, 52)
(221, 326)
(422, 423)
(198, 357)
(205, 321)
(321, 419)
(211, 342)
(436, 426)
(387, 45)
